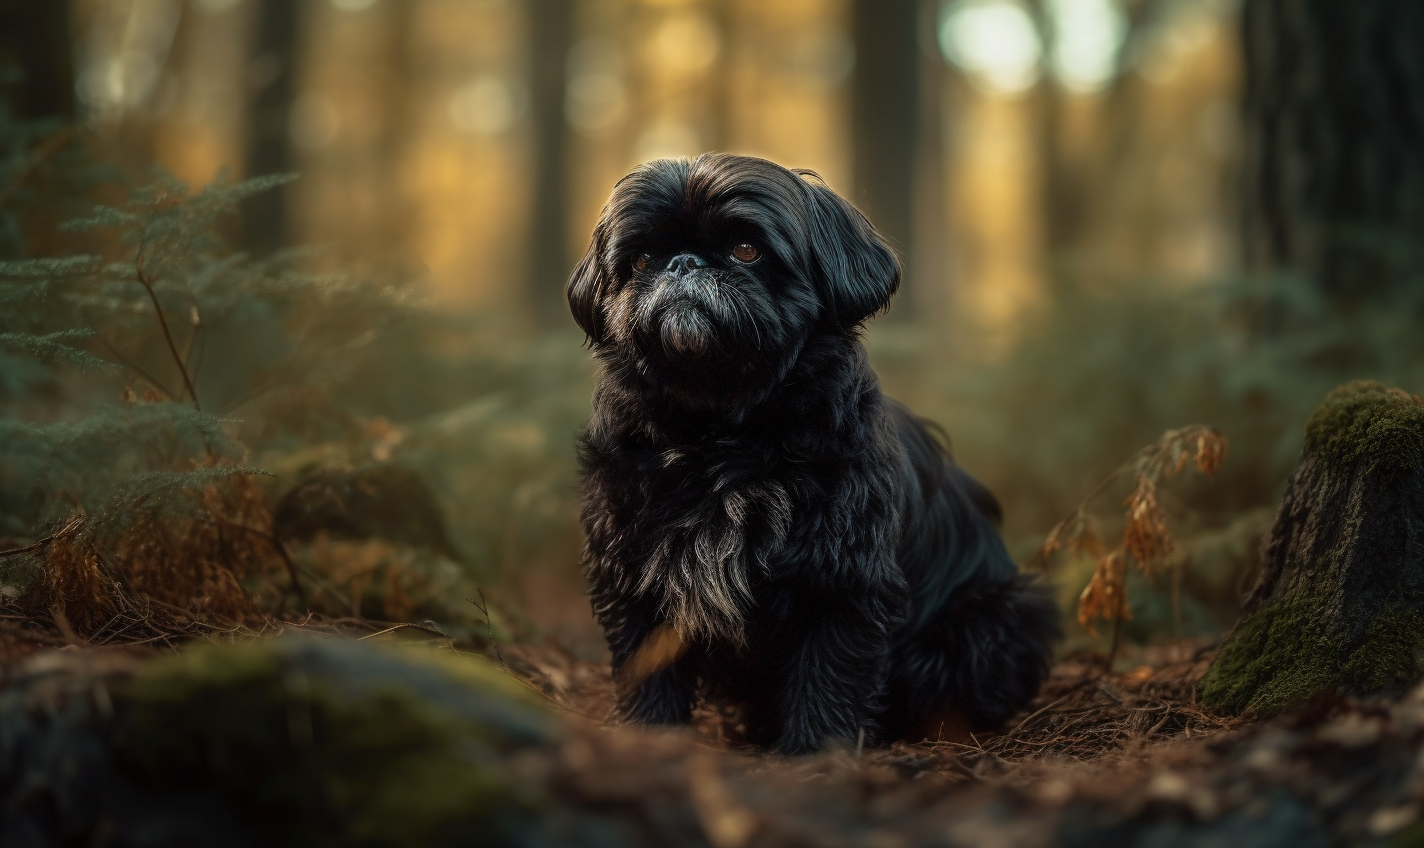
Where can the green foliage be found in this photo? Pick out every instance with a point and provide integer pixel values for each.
(84, 462)
(194, 325)
(1282, 656)
(1045, 408)
(46, 173)
(1365, 421)
(139, 373)
(505, 458)
(1279, 659)
(56, 347)
(1388, 659)
(148, 369)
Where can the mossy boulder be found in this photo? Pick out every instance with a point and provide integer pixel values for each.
(379, 500)
(1339, 605)
(292, 741)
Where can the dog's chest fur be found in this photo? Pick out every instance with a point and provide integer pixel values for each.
(719, 519)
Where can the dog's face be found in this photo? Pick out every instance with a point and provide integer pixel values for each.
(708, 276)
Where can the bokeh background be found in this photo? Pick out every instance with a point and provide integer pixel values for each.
(989, 139)
(1117, 217)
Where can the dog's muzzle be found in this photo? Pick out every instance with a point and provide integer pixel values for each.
(677, 309)
(685, 332)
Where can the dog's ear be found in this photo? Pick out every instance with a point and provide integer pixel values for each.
(859, 272)
(587, 286)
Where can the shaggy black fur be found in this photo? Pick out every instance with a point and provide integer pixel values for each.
(747, 484)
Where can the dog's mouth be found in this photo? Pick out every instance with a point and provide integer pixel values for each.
(677, 320)
(684, 332)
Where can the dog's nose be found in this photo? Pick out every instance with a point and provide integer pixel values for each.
(684, 262)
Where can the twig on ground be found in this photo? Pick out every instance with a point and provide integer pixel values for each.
(277, 545)
(483, 606)
(404, 626)
(40, 543)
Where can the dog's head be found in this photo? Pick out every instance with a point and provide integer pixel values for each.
(708, 275)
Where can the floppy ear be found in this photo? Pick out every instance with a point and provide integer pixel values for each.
(859, 272)
(586, 289)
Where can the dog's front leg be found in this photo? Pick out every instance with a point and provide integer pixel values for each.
(665, 697)
(835, 672)
(652, 687)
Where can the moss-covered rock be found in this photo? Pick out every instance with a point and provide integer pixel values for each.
(1339, 605)
(292, 741)
(1370, 425)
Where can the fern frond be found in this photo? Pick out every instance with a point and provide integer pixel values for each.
(169, 488)
(102, 217)
(37, 269)
(57, 348)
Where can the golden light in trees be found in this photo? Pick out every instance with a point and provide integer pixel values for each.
(995, 41)
(353, 5)
(685, 43)
(668, 137)
(486, 105)
(597, 96)
(1087, 35)
(314, 122)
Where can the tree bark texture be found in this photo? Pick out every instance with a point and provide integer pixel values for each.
(1339, 605)
(1333, 141)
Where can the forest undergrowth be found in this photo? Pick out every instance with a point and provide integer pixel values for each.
(200, 445)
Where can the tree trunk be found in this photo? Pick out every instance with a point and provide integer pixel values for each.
(395, 223)
(1060, 183)
(885, 100)
(1339, 605)
(1333, 142)
(550, 28)
(273, 75)
(35, 39)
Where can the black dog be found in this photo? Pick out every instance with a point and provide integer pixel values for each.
(804, 545)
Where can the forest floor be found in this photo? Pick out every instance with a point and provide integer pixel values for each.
(1120, 758)
(1098, 759)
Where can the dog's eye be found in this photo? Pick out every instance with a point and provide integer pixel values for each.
(642, 262)
(746, 253)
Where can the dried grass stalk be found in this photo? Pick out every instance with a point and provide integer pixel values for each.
(1146, 538)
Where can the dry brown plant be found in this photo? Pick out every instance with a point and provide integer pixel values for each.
(148, 570)
(1146, 539)
(370, 578)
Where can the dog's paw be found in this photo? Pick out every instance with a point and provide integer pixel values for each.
(798, 742)
(794, 746)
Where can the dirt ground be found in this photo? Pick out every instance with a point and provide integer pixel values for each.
(1125, 758)
(1122, 758)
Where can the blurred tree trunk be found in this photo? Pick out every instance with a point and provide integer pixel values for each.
(272, 76)
(929, 269)
(1068, 183)
(885, 117)
(396, 218)
(35, 37)
(1060, 181)
(35, 42)
(1333, 124)
(550, 29)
